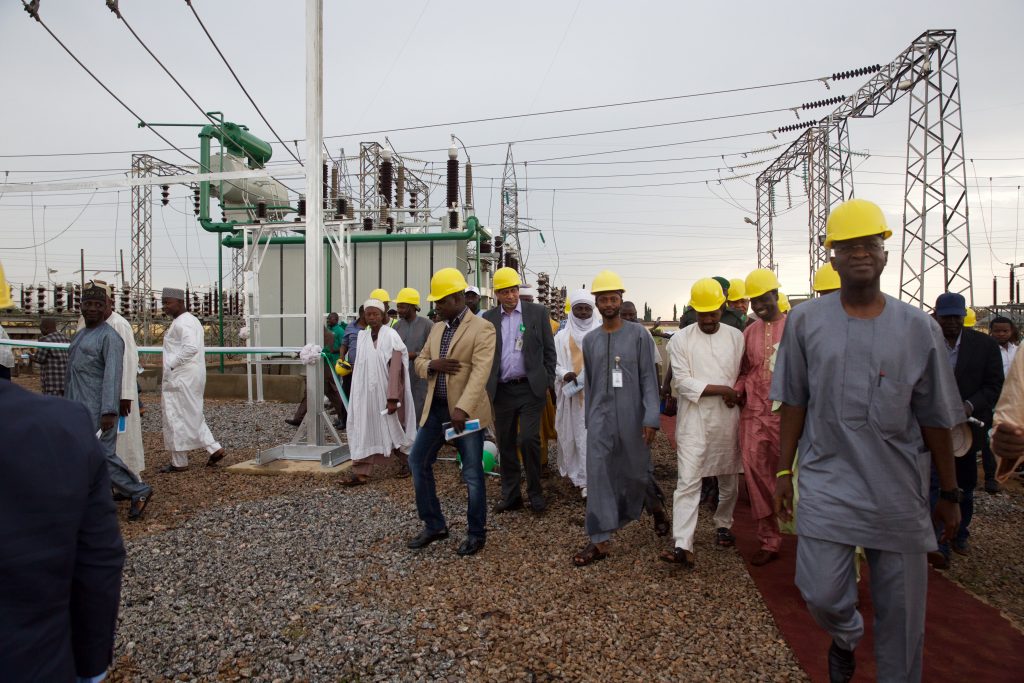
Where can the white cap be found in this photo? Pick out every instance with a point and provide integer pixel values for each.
(472, 289)
(375, 303)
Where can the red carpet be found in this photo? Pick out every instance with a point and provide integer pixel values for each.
(965, 639)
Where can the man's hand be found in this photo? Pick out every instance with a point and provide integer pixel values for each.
(1008, 441)
(783, 499)
(107, 422)
(412, 356)
(947, 513)
(729, 396)
(446, 365)
(459, 417)
(392, 406)
(968, 408)
(649, 433)
(125, 407)
(569, 377)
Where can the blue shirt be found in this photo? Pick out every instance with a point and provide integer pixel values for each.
(954, 351)
(350, 339)
(512, 364)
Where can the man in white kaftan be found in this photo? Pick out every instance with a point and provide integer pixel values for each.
(183, 385)
(382, 414)
(570, 418)
(705, 361)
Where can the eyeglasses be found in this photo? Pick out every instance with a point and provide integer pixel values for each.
(872, 247)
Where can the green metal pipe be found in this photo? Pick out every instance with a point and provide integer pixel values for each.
(220, 297)
(235, 241)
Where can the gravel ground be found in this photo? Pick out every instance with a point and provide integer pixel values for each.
(221, 584)
(994, 571)
(235, 591)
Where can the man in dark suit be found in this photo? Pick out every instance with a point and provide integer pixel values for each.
(978, 367)
(524, 368)
(61, 553)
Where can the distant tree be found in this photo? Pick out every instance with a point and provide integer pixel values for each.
(647, 312)
(675, 315)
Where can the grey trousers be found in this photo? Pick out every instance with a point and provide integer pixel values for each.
(124, 481)
(827, 580)
(517, 413)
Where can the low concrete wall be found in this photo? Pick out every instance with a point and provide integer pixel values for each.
(285, 388)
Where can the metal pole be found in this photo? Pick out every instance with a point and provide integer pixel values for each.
(82, 257)
(220, 297)
(314, 215)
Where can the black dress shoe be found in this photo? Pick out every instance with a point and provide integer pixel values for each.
(538, 505)
(426, 537)
(506, 506)
(841, 664)
(471, 546)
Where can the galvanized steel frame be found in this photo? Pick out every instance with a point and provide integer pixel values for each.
(141, 282)
(936, 180)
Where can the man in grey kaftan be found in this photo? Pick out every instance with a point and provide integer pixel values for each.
(414, 330)
(872, 414)
(619, 468)
(94, 379)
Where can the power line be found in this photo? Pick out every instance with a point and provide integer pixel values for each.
(744, 154)
(45, 241)
(568, 110)
(239, 82)
(112, 5)
(33, 11)
(626, 129)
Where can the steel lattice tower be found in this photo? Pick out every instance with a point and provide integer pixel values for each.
(509, 203)
(936, 233)
(144, 165)
(142, 243)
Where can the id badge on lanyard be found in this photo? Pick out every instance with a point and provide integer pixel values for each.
(617, 374)
(519, 339)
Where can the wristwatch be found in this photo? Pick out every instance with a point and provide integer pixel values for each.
(953, 495)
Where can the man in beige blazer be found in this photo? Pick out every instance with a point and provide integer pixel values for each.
(456, 362)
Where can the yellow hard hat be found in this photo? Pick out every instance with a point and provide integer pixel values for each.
(505, 278)
(855, 218)
(5, 290)
(607, 281)
(826, 279)
(971, 319)
(760, 281)
(446, 281)
(568, 307)
(737, 289)
(343, 368)
(380, 295)
(706, 295)
(408, 295)
(784, 306)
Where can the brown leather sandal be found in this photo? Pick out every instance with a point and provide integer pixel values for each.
(678, 556)
(588, 555)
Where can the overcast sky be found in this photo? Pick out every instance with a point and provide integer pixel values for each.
(391, 65)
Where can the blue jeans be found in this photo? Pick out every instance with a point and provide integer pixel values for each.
(429, 440)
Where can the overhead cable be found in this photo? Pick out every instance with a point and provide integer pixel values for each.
(239, 82)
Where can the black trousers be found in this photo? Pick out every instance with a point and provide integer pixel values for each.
(517, 414)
